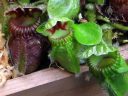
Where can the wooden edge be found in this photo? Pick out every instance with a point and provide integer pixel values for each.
(35, 79)
(43, 77)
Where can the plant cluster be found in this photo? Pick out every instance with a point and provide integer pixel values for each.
(79, 31)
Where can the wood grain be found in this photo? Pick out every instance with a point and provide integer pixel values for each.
(36, 79)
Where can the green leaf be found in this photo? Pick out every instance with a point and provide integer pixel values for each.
(24, 1)
(66, 57)
(123, 67)
(63, 8)
(87, 33)
(5, 27)
(100, 2)
(99, 49)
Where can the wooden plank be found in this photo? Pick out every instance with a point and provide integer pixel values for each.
(35, 79)
(90, 88)
(65, 87)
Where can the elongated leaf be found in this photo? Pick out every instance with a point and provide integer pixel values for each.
(63, 8)
(65, 55)
(87, 33)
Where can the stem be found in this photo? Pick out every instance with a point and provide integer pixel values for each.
(114, 25)
(91, 13)
(105, 19)
(120, 26)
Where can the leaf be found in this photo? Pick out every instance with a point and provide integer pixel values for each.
(99, 49)
(87, 33)
(63, 8)
(123, 67)
(24, 1)
(100, 2)
(66, 57)
(5, 27)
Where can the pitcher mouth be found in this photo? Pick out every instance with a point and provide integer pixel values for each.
(16, 27)
(60, 30)
(63, 40)
(98, 65)
(24, 16)
(24, 20)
